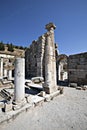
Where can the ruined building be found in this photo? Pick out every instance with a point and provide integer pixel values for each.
(35, 54)
(40, 59)
(62, 67)
(39, 51)
(6, 66)
(34, 58)
(7, 62)
(77, 68)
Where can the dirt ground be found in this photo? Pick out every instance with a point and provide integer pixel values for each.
(64, 112)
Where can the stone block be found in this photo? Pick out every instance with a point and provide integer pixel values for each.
(49, 97)
(50, 89)
(42, 94)
(79, 88)
(7, 107)
(73, 85)
(28, 98)
(1, 104)
(37, 100)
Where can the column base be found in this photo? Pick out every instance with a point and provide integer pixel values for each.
(50, 89)
(19, 104)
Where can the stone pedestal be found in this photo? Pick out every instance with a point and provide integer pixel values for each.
(19, 80)
(50, 84)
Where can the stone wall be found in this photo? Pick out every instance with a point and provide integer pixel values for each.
(34, 58)
(77, 67)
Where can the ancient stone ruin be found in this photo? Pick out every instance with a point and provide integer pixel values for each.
(77, 68)
(41, 74)
(40, 59)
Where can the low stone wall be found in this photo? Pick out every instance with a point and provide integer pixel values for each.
(77, 68)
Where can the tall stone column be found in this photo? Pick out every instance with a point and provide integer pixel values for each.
(50, 84)
(19, 80)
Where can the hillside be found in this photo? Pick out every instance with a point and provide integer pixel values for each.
(16, 52)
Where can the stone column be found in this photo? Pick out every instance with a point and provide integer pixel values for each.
(5, 72)
(9, 74)
(1, 67)
(59, 70)
(19, 80)
(50, 84)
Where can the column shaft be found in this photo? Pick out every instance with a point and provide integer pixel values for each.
(1, 67)
(19, 93)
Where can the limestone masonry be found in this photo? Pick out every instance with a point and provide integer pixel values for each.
(77, 66)
(39, 76)
(40, 59)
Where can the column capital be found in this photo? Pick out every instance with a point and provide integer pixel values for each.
(50, 26)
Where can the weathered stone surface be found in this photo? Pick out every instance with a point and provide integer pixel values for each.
(34, 61)
(40, 59)
(50, 61)
(7, 107)
(78, 68)
(73, 85)
(1, 67)
(42, 94)
(19, 90)
(28, 98)
(37, 79)
(1, 105)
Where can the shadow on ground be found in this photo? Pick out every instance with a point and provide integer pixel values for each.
(32, 91)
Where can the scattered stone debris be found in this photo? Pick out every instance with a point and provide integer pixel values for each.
(5, 83)
(61, 89)
(82, 88)
(37, 79)
(79, 88)
(42, 94)
(7, 107)
(74, 85)
(5, 94)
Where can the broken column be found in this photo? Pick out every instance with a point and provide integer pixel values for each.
(19, 90)
(50, 60)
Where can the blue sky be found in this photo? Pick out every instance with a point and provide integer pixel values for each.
(22, 21)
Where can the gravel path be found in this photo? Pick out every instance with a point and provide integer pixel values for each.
(64, 112)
